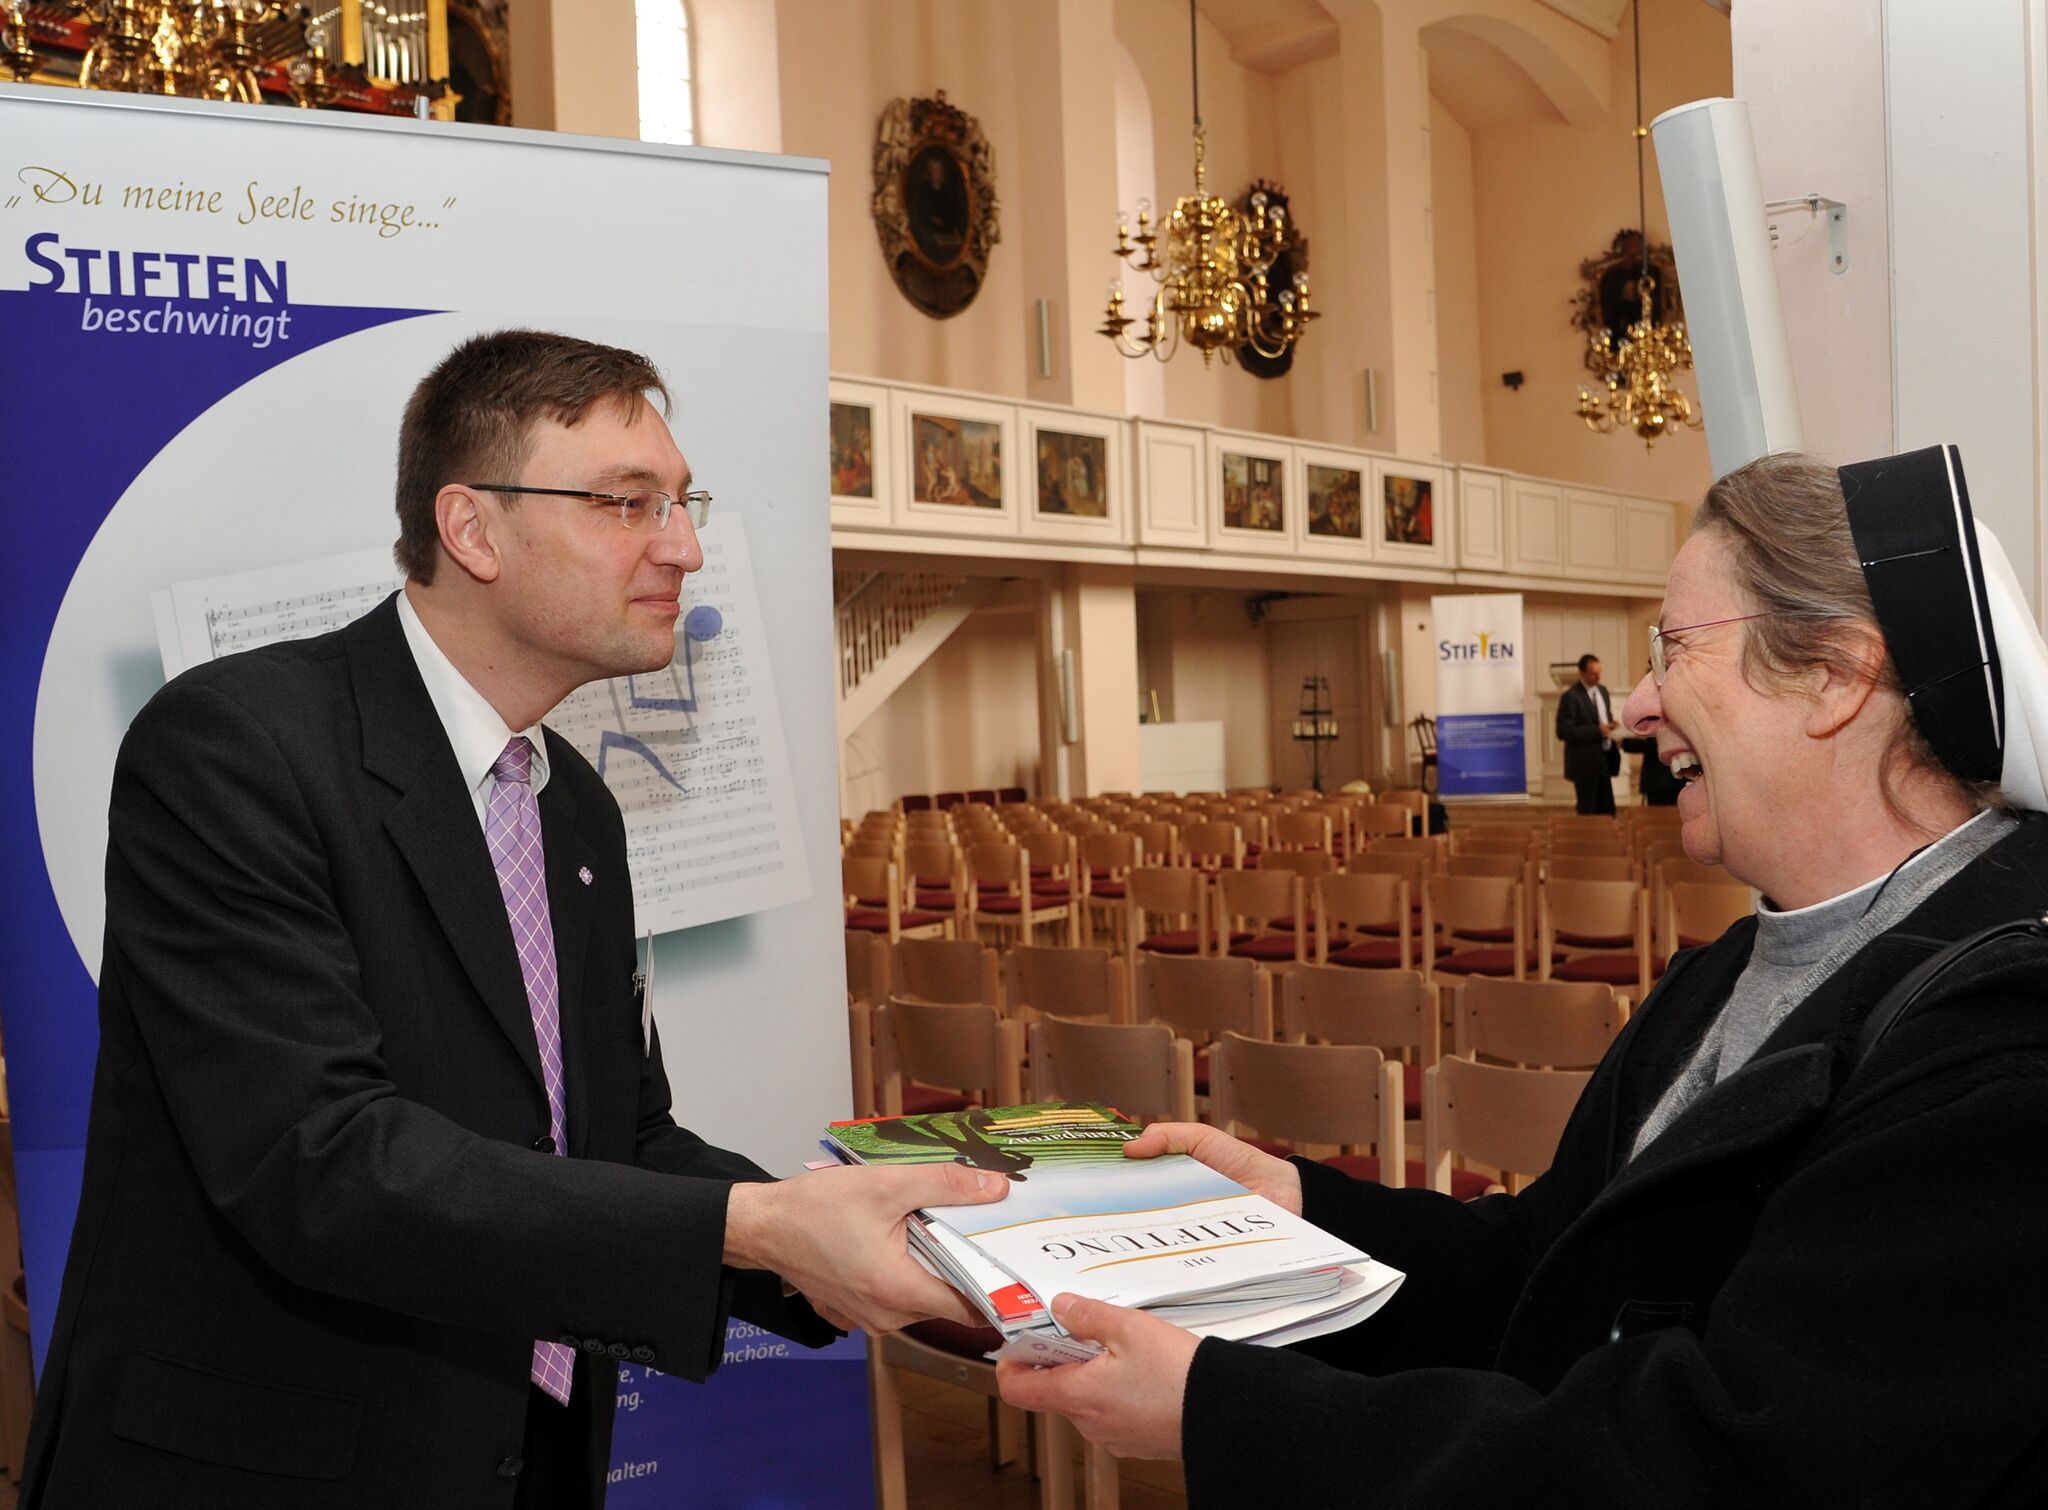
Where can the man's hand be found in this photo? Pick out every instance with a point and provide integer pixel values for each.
(1260, 1173)
(1129, 1398)
(838, 1235)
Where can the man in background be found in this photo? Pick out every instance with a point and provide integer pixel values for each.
(1586, 725)
(381, 1184)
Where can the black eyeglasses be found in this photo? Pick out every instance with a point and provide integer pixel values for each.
(641, 509)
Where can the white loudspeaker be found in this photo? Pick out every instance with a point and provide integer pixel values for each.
(1390, 678)
(1070, 717)
(1715, 205)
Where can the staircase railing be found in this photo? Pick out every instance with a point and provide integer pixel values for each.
(877, 615)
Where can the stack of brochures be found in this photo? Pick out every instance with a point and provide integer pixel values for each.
(1168, 1235)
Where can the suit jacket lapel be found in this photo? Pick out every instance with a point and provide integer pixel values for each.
(569, 859)
(433, 822)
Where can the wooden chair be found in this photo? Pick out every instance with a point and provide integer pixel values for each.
(1696, 914)
(1536, 1024)
(1602, 930)
(867, 966)
(1424, 728)
(1591, 868)
(1377, 820)
(876, 901)
(1481, 910)
(1003, 898)
(1251, 908)
(1108, 858)
(1393, 1010)
(1039, 980)
(942, 970)
(1212, 846)
(1306, 1095)
(1142, 1070)
(1364, 921)
(1201, 998)
(1176, 897)
(964, 1049)
(1508, 1119)
(1302, 831)
(860, 1057)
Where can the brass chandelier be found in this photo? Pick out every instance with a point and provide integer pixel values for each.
(1214, 290)
(1640, 393)
(203, 49)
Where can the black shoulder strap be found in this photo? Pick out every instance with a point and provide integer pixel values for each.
(1898, 1003)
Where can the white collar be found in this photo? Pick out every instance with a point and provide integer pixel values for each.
(475, 731)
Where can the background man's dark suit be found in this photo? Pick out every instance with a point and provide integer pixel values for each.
(313, 1216)
(1588, 763)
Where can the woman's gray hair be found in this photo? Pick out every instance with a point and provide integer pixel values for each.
(1796, 561)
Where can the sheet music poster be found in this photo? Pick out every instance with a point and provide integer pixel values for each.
(694, 753)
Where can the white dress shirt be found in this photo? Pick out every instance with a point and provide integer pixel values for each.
(475, 730)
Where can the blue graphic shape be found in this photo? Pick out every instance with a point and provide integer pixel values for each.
(1480, 755)
(617, 739)
(701, 623)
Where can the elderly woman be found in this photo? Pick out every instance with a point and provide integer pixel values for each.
(1764, 1267)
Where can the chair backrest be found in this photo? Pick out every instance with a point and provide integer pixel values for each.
(1513, 865)
(1141, 1070)
(931, 861)
(1220, 841)
(1202, 997)
(1391, 820)
(943, 970)
(1309, 1093)
(1111, 851)
(1302, 831)
(869, 880)
(1415, 869)
(1591, 909)
(962, 1047)
(1472, 903)
(1048, 846)
(1065, 982)
(1467, 841)
(1306, 863)
(1391, 1009)
(1697, 914)
(996, 864)
(1171, 892)
(1256, 898)
(1508, 1118)
(1590, 868)
(1425, 847)
(1158, 839)
(1547, 1023)
(866, 968)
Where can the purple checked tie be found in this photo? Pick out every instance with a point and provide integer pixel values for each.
(512, 830)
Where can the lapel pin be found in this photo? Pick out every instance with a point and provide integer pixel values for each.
(583, 874)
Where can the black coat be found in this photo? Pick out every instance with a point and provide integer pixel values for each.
(1786, 1299)
(1586, 755)
(315, 1242)
(1658, 786)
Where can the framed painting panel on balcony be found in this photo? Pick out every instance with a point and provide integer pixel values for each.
(1078, 477)
(961, 474)
(1333, 487)
(1254, 510)
(863, 460)
(1408, 512)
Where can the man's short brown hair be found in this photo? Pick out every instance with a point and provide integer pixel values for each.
(469, 418)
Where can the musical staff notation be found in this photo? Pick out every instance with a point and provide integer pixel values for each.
(694, 753)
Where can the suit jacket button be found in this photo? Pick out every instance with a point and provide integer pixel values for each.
(620, 1351)
(510, 1468)
(543, 1144)
(643, 1355)
(570, 1339)
(593, 1344)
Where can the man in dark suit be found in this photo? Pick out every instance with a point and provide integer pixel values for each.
(1586, 725)
(381, 1183)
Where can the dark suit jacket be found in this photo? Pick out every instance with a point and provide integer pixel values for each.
(1578, 725)
(1791, 1297)
(315, 1241)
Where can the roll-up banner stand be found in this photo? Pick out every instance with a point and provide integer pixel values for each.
(210, 318)
(1480, 682)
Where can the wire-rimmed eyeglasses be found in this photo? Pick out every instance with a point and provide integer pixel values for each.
(1659, 667)
(641, 509)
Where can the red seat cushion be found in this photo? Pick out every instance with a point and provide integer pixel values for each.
(1000, 905)
(1411, 1092)
(1596, 940)
(1040, 872)
(921, 1100)
(1059, 891)
(1272, 947)
(1108, 889)
(1482, 962)
(867, 921)
(1484, 935)
(1380, 954)
(1179, 941)
(1611, 969)
(1201, 1072)
(1465, 1185)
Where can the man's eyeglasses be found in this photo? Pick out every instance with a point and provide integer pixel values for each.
(641, 509)
(1659, 666)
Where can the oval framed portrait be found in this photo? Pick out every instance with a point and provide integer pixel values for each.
(934, 202)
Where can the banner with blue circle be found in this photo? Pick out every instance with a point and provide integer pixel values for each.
(1481, 681)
